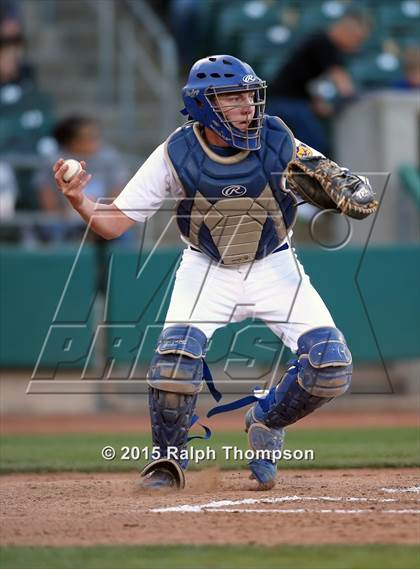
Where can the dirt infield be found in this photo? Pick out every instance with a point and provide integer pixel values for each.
(317, 506)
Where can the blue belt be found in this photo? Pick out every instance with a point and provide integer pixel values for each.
(281, 248)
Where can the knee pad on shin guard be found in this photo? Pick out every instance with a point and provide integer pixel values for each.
(177, 365)
(322, 371)
(325, 363)
(175, 377)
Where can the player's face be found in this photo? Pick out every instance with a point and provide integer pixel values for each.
(238, 108)
(87, 141)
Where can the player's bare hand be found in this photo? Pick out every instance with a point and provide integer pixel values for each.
(73, 189)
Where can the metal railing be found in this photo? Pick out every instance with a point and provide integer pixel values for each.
(134, 51)
(123, 60)
(161, 79)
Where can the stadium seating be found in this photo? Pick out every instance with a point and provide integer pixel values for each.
(376, 71)
(26, 118)
(263, 31)
(319, 14)
(237, 19)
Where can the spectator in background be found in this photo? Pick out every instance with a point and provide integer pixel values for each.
(183, 16)
(13, 67)
(79, 137)
(9, 10)
(411, 60)
(320, 55)
(8, 191)
(8, 196)
(26, 114)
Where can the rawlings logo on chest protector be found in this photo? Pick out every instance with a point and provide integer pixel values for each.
(234, 190)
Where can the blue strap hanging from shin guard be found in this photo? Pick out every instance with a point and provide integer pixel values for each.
(264, 401)
(210, 383)
(243, 402)
(216, 395)
(204, 437)
(237, 404)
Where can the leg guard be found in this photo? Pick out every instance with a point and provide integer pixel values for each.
(321, 372)
(177, 365)
(175, 378)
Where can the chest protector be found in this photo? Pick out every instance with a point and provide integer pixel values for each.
(234, 209)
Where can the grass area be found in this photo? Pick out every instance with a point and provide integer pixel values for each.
(336, 448)
(212, 557)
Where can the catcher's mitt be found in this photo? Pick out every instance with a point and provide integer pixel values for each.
(323, 183)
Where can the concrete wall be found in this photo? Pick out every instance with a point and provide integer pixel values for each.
(375, 136)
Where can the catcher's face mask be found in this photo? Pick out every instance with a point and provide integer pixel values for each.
(241, 112)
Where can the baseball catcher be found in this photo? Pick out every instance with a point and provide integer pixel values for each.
(236, 176)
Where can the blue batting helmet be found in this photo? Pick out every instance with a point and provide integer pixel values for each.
(221, 74)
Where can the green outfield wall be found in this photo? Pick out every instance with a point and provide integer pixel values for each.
(50, 300)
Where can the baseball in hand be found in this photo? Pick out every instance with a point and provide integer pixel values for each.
(73, 168)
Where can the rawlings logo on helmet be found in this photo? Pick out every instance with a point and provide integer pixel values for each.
(193, 92)
(248, 78)
(234, 190)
